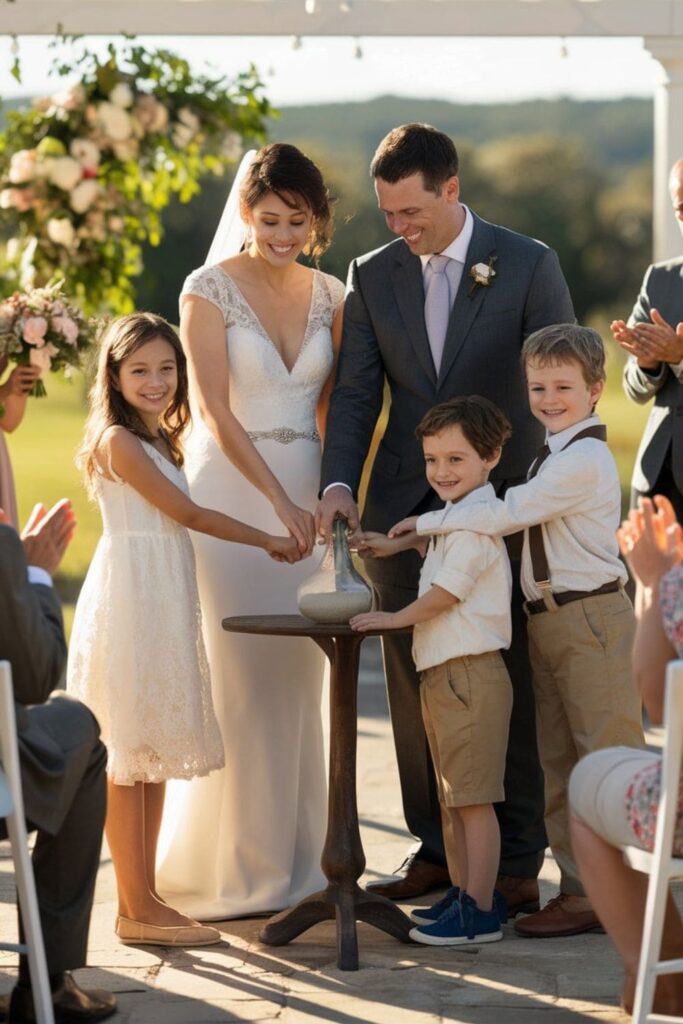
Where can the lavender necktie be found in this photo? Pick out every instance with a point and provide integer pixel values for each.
(437, 307)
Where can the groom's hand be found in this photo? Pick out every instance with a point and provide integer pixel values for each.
(337, 500)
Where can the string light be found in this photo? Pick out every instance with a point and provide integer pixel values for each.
(345, 6)
(311, 6)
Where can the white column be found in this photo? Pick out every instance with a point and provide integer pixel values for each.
(668, 140)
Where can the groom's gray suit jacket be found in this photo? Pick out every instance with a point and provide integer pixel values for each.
(385, 336)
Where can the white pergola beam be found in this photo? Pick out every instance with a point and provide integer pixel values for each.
(602, 18)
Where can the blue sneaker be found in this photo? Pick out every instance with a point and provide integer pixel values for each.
(462, 924)
(427, 915)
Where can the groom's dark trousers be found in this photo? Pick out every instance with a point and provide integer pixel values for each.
(385, 341)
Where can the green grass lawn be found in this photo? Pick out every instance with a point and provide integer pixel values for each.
(44, 446)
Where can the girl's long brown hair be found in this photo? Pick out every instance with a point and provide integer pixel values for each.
(108, 407)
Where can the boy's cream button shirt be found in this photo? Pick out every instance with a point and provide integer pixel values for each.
(576, 497)
(476, 570)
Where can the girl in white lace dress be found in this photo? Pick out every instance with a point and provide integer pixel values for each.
(261, 333)
(137, 655)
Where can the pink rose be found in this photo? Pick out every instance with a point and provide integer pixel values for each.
(43, 357)
(67, 327)
(35, 328)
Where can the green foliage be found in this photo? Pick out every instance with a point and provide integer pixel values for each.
(85, 174)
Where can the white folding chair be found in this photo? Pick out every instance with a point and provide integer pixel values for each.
(12, 810)
(660, 864)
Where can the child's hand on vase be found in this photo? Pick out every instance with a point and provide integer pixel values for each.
(372, 620)
(373, 545)
(408, 525)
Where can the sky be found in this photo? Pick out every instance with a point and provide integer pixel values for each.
(467, 70)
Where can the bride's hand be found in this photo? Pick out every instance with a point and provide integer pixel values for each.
(299, 522)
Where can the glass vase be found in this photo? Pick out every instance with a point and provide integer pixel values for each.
(335, 592)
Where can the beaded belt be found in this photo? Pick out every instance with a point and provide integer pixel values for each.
(567, 596)
(285, 435)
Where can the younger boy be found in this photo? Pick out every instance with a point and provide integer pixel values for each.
(580, 621)
(462, 620)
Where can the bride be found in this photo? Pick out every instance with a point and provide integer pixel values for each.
(261, 333)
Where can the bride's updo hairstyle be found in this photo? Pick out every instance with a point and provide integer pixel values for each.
(286, 172)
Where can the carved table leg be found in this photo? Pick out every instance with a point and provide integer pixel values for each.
(343, 860)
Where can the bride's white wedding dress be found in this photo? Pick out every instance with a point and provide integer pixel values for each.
(248, 839)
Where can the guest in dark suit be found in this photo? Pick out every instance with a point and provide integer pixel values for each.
(655, 370)
(433, 329)
(62, 763)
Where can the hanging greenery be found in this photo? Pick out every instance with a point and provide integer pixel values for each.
(85, 174)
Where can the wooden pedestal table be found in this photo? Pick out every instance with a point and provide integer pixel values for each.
(343, 860)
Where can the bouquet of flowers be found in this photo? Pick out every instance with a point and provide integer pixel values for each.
(40, 328)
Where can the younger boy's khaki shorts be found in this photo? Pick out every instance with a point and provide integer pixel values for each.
(466, 705)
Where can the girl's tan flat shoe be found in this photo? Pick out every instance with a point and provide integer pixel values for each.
(138, 933)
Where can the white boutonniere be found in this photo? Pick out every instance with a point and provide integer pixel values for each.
(482, 274)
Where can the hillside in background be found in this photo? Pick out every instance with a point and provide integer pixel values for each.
(575, 174)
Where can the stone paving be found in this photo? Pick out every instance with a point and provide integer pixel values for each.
(516, 981)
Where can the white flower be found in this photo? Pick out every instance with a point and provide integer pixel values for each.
(121, 95)
(231, 148)
(83, 195)
(71, 98)
(61, 231)
(43, 357)
(7, 198)
(114, 122)
(22, 167)
(65, 172)
(86, 152)
(189, 119)
(12, 249)
(482, 273)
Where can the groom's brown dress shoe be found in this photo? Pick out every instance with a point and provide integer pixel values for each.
(71, 1004)
(559, 917)
(521, 894)
(415, 877)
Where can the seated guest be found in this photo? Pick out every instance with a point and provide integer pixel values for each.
(62, 764)
(614, 793)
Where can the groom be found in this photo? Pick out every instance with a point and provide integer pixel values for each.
(441, 311)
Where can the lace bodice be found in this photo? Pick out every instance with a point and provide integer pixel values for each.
(264, 395)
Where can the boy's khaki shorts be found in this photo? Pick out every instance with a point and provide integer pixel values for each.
(466, 705)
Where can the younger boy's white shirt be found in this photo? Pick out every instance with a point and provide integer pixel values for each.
(576, 496)
(476, 570)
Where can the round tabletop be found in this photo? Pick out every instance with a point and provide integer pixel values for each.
(295, 625)
(285, 625)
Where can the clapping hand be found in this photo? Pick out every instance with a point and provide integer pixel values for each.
(651, 539)
(651, 343)
(47, 534)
